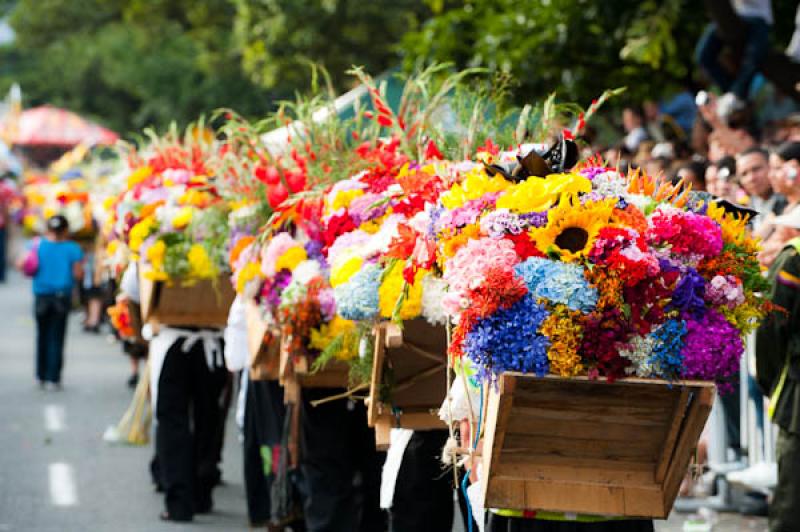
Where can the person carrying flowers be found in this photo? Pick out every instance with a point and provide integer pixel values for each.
(778, 375)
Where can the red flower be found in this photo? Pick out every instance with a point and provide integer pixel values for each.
(524, 246)
(432, 151)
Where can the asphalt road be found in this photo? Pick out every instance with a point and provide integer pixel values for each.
(57, 473)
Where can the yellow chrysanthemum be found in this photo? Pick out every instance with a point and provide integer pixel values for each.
(250, 271)
(140, 232)
(392, 288)
(321, 338)
(196, 198)
(342, 198)
(155, 255)
(537, 194)
(475, 185)
(183, 218)
(572, 228)
(139, 175)
(341, 273)
(291, 258)
(200, 265)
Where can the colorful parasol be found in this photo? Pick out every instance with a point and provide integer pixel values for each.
(51, 126)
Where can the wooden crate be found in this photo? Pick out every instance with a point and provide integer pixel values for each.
(295, 368)
(263, 344)
(583, 446)
(409, 377)
(203, 304)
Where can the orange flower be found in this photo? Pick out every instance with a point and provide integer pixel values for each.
(240, 246)
(630, 217)
(150, 208)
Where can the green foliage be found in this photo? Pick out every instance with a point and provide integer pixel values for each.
(131, 63)
(575, 47)
(278, 38)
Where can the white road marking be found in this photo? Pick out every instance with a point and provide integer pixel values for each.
(54, 418)
(62, 485)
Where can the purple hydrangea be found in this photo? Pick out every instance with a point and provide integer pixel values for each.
(712, 349)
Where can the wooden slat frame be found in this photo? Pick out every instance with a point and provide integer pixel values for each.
(639, 481)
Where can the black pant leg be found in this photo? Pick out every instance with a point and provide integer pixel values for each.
(263, 423)
(59, 331)
(327, 465)
(42, 338)
(369, 463)
(174, 442)
(423, 494)
(207, 388)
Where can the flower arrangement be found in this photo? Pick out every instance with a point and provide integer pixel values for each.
(591, 271)
(171, 217)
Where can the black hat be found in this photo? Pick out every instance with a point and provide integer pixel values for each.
(57, 224)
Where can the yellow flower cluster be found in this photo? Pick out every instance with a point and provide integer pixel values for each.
(328, 332)
(342, 199)
(563, 329)
(183, 218)
(391, 290)
(475, 185)
(200, 265)
(536, 194)
(140, 232)
(341, 273)
(155, 256)
(291, 258)
(250, 271)
(139, 175)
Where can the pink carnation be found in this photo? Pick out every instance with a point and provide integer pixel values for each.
(467, 269)
(685, 233)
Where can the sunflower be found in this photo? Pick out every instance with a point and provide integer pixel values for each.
(572, 228)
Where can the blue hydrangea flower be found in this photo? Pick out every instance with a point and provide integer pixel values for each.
(508, 340)
(559, 282)
(358, 299)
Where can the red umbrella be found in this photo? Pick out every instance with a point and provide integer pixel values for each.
(51, 126)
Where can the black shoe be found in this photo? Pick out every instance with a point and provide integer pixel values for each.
(165, 516)
(133, 380)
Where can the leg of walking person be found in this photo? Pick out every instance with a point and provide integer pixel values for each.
(174, 444)
(423, 494)
(207, 390)
(263, 423)
(43, 326)
(59, 318)
(326, 464)
(369, 464)
(3, 249)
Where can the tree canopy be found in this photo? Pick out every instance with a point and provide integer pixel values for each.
(136, 63)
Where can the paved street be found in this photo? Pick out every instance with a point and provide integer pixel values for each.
(56, 472)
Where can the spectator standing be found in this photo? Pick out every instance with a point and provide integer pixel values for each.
(635, 133)
(59, 266)
(757, 16)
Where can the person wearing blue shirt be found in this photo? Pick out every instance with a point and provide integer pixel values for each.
(60, 265)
